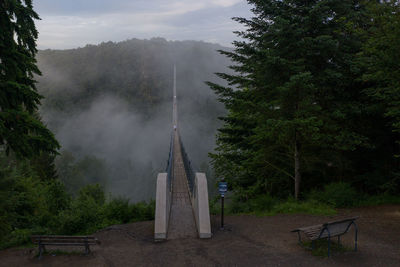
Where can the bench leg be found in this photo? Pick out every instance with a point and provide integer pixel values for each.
(87, 249)
(299, 236)
(355, 238)
(329, 246)
(41, 249)
(338, 240)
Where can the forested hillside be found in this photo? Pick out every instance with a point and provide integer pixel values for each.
(110, 107)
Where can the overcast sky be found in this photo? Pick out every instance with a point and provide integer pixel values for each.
(75, 23)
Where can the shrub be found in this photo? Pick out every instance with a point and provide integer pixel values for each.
(92, 191)
(338, 194)
(57, 197)
(379, 200)
(118, 210)
(84, 217)
(260, 203)
(308, 207)
(142, 211)
(17, 237)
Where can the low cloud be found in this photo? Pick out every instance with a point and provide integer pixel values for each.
(77, 23)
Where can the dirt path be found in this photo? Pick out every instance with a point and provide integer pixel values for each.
(252, 241)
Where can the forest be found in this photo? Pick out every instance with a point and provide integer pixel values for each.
(313, 105)
(303, 112)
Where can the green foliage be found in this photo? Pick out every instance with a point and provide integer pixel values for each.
(92, 191)
(295, 95)
(16, 237)
(258, 204)
(56, 197)
(314, 100)
(32, 205)
(119, 209)
(84, 217)
(306, 207)
(267, 206)
(379, 200)
(214, 206)
(380, 58)
(20, 128)
(76, 173)
(142, 211)
(338, 195)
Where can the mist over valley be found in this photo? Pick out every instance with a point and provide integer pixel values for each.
(110, 107)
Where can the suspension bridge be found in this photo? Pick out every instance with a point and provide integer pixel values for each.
(182, 209)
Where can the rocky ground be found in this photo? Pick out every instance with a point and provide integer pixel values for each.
(249, 241)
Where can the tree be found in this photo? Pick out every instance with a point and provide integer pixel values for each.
(20, 127)
(379, 61)
(295, 95)
(381, 58)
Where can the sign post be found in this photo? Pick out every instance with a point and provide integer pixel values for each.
(222, 188)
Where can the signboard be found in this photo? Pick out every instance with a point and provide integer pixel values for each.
(222, 188)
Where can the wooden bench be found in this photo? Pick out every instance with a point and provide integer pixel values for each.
(62, 240)
(328, 230)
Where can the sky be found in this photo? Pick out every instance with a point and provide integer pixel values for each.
(69, 24)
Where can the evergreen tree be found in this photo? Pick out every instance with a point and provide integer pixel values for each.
(379, 62)
(381, 58)
(20, 128)
(295, 102)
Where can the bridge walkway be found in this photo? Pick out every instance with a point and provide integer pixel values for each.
(181, 222)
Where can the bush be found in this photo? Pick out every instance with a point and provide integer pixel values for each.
(57, 197)
(339, 195)
(267, 205)
(84, 217)
(92, 191)
(30, 205)
(308, 207)
(118, 210)
(260, 203)
(379, 200)
(142, 211)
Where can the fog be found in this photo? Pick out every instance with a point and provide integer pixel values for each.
(114, 102)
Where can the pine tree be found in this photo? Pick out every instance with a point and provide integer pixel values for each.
(20, 128)
(294, 96)
(379, 61)
(381, 58)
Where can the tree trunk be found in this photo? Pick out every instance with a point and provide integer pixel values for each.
(297, 175)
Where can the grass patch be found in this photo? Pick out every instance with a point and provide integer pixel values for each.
(379, 200)
(303, 207)
(321, 247)
(268, 206)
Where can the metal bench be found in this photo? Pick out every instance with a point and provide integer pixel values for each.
(62, 240)
(328, 230)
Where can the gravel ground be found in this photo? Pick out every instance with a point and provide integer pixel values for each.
(249, 241)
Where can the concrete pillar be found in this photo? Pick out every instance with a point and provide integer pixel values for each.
(163, 206)
(200, 205)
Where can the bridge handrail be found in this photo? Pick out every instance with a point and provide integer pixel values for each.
(170, 162)
(188, 166)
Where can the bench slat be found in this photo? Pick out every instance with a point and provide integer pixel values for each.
(65, 244)
(66, 241)
(59, 239)
(62, 236)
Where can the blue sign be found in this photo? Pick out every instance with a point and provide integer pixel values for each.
(222, 188)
